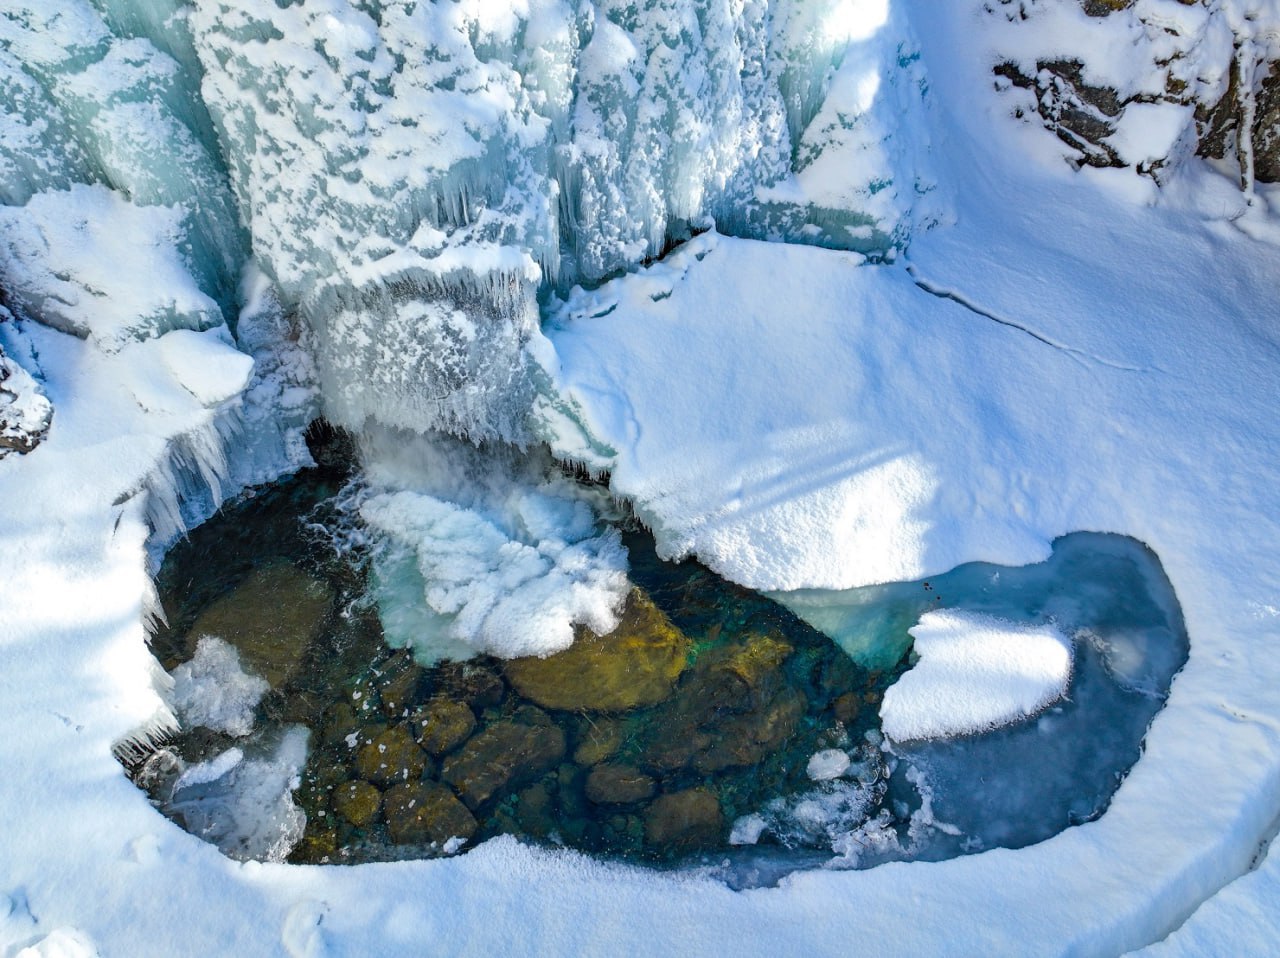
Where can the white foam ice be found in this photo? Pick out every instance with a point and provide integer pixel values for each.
(212, 691)
(485, 550)
(975, 673)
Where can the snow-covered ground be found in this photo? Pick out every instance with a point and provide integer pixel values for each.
(1084, 360)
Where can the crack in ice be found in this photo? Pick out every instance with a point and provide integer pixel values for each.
(1078, 354)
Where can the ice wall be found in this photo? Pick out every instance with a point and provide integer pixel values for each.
(413, 173)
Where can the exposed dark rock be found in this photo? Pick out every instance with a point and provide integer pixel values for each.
(422, 812)
(505, 755)
(635, 665)
(1104, 8)
(25, 412)
(1080, 114)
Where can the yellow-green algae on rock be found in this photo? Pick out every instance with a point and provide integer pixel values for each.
(635, 665)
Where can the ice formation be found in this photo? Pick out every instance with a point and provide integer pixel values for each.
(243, 804)
(489, 552)
(213, 691)
(411, 173)
(975, 673)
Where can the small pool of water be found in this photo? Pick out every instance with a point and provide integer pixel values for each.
(714, 727)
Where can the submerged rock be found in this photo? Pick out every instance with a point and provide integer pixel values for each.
(443, 725)
(636, 664)
(357, 802)
(392, 756)
(618, 785)
(477, 685)
(684, 820)
(505, 755)
(422, 812)
(270, 618)
(598, 739)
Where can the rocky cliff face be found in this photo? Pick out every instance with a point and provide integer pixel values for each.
(1145, 83)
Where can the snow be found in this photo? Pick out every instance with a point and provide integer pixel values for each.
(91, 263)
(212, 691)
(974, 673)
(1118, 375)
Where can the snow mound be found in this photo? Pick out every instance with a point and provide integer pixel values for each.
(90, 263)
(212, 691)
(975, 673)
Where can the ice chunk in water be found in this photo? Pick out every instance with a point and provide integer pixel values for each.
(245, 805)
(212, 691)
(975, 673)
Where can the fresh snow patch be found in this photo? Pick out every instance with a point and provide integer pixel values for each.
(975, 673)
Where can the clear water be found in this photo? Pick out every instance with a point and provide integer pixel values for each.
(760, 693)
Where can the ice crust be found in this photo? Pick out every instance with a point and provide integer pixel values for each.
(975, 673)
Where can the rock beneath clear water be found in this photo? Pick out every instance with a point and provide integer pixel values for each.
(635, 665)
(535, 811)
(477, 685)
(756, 659)
(357, 802)
(270, 618)
(398, 686)
(503, 756)
(443, 725)
(618, 785)
(684, 820)
(749, 738)
(598, 739)
(847, 707)
(317, 845)
(340, 724)
(392, 757)
(419, 813)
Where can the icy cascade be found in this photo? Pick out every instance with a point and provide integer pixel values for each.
(412, 173)
(84, 103)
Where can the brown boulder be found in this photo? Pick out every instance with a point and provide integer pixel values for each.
(618, 785)
(391, 757)
(635, 665)
(505, 755)
(422, 812)
(684, 820)
(443, 725)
